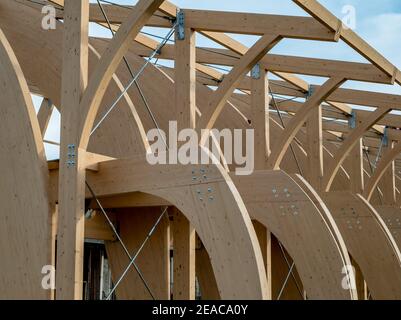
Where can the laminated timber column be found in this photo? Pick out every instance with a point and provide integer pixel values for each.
(388, 179)
(260, 115)
(184, 242)
(260, 121)
(184, 236)
(70, 228)
(314, 147)
(356, 172)
(357, 185)
(185, 76)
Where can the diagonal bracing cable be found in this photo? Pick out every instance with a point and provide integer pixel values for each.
(119, 239)
(283, 125)
(285, 281)
(135, 78)
(132, 261)
(290, 272)
(365, 151)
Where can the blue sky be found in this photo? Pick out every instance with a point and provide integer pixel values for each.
(378, 22)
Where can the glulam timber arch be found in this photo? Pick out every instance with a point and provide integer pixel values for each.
(369, 241)
(111, 149)
(327, 145)
(227, 288)
(281, 204)
(313, 289)
(211, 203)
(25, 209)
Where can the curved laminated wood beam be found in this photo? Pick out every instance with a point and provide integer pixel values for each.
(206, 195)
(108, 64)
(226, 88)
(349, 143)
(369, 242)
(381, 168)
(48, 82)
(25, 212)
(281, 146)
(281, 204)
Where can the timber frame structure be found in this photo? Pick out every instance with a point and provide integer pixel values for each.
(319, 217)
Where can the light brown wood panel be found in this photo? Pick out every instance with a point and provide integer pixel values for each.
(391, 216)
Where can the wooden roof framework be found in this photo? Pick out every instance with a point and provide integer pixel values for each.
(315, 171)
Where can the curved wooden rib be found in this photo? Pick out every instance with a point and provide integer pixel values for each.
(118, 136)
(24, 207)
(115, 147)
(108, 64)
(298, 120)
(383, 165)
(277, 201)
(369, 242)
(210, 201)
(226, 88)
(349, 143)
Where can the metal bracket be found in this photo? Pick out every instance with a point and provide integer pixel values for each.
(71, 155)
(385, 137)
(255, 71)
(311, 90)
(352, 120)
(180, 26)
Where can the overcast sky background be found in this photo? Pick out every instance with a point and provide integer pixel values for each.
(378, 22)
